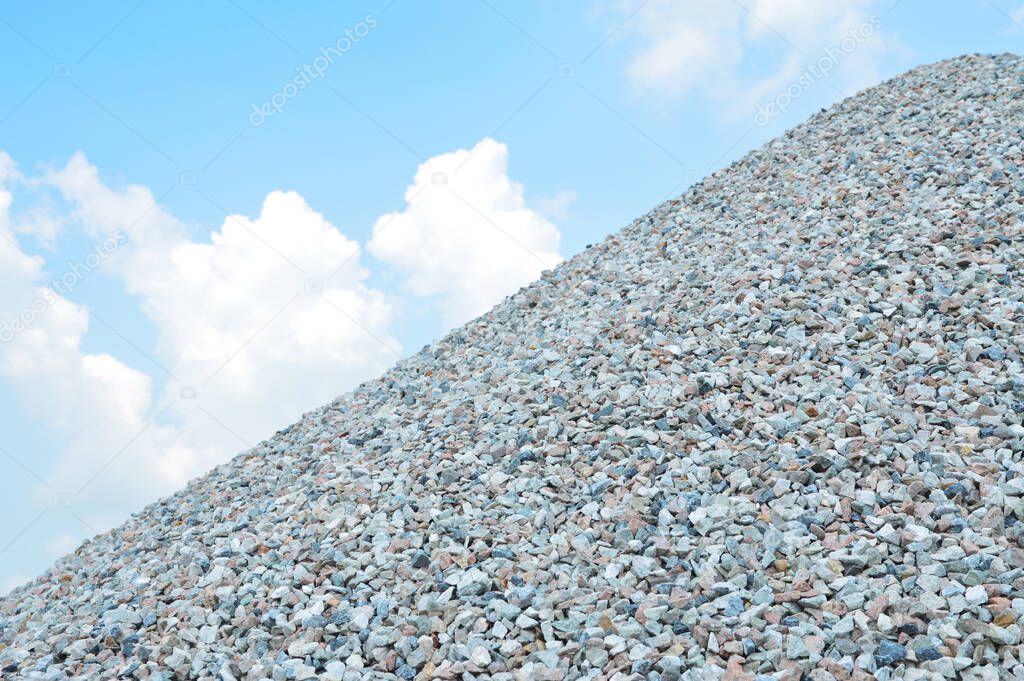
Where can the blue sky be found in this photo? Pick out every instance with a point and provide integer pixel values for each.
(439, 157)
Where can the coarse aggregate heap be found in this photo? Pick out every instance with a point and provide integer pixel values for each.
(771, 429)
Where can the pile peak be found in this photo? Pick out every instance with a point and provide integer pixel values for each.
(772, 429)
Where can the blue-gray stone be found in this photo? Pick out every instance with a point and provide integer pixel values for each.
(889, 653)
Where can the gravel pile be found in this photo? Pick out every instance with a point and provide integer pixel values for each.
(771, 430)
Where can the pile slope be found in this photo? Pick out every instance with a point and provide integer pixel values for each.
(771, 428)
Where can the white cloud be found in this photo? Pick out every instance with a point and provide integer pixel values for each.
(683, 43)
(262, 285)
(252, 320)
(17, 269)
(8, 168)
(42, 222)
(467, 234)
(100, 211)
(557, 206)
(95, 400)
(739, 54)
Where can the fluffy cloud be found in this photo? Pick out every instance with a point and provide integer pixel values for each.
(246, 325)
(102, 405)
(466, 234)
(683, 43)
(248, 333)
(557, 206)
(16, 268)
(252, 323)
(742, 53)
(18, 271)
(99, 403)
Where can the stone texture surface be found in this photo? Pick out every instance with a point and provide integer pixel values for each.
(771, 430)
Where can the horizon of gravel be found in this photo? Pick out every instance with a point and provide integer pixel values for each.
(770, 430)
